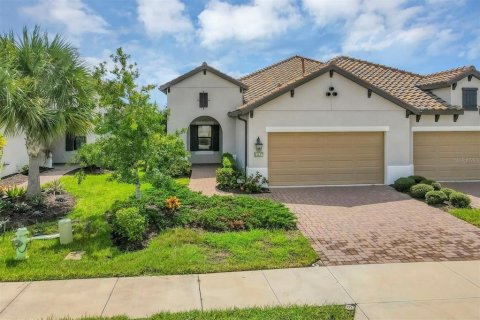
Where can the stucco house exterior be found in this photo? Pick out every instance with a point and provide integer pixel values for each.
(341, 122)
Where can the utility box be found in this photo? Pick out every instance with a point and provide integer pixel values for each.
(65, 230)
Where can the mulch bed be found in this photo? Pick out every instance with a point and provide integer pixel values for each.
(23, 212)
(15, 179)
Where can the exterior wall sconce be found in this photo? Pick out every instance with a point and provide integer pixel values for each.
(258, 145)
(258, 148)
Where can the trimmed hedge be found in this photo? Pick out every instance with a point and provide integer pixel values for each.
(226, 176)
(459, 200)
(403, 184)
(417, 179)
(436, 185)
(447, 191)
(420, 190)
(228, 161)
(435, 197)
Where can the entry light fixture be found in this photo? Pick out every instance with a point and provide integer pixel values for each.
(258, 145)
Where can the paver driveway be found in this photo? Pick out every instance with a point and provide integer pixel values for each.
(376, 224)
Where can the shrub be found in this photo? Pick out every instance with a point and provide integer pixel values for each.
(436, 185)
(228, 161)
(427, 181)
(24, 170)
(417, 179)
(226, 178)
(447, 191)
(15, 192)
(435, 197)
(54, 187)
(172, 203)
(254, 183)
(129, 224)
(459, 200)
(403, 184)
(419, 190)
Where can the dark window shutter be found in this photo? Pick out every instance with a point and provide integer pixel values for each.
(193, 138)
(69, 142)
(469, 98)
(203, 100)
(215, 138)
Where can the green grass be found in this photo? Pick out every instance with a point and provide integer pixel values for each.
(471, 216)
(176, 251)
(278, 313)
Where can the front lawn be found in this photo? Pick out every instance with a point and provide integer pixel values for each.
(277, 313)
(471, 216)
(177, 250)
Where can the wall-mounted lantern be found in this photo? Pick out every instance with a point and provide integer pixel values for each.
(258, 145)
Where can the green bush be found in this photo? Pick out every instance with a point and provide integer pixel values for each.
(419, 190)
(403, 184)
(417, 179)
(129, 224)
(447, 191)
(459, 200)
(254, 183)
(24, 170)
(427, 181)
(435, 197)
(228, 161)
(436, 185)
(226, 178)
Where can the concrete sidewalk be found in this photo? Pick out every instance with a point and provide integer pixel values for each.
(427, 290)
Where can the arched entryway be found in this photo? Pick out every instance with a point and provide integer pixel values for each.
(204, 140)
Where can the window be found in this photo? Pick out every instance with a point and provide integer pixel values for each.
(73, 143)
(203, 100)
(469, 98)
(204, 138)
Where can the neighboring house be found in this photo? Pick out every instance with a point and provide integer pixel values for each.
(342, 122)
(15, 153)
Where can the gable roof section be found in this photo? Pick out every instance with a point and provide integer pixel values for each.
(201, 68)
(397, 86)
(446, 78)
(272, 77)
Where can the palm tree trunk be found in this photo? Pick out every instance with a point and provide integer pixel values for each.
(33, 151)
(138, 194)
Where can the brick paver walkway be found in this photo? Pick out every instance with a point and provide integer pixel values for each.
(376, 224)
(203, 179)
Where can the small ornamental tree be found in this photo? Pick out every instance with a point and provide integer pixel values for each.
(133, 131)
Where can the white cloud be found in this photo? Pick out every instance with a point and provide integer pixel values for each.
(257, 20)
(76, 16)
(327, 11)
(162, 17)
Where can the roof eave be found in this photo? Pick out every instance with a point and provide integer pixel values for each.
(198, 69)
(443, 84)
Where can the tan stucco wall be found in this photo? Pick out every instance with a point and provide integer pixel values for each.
(223, 96)
(351, 110)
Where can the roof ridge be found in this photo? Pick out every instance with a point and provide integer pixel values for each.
(332, 61)
(276, 64)
(471, 67)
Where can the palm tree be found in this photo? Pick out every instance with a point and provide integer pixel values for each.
(46, 91)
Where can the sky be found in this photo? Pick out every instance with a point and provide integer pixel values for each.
(170, 37)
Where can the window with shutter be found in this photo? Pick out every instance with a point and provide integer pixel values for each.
(469, 99)
(203, 100)
(69, 142)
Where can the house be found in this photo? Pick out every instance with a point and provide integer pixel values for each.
(15, 153)
(302, 122)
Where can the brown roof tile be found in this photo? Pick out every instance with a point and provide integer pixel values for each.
(444, 77)
(399, 86)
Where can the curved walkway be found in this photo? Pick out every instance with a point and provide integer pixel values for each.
(203, 179)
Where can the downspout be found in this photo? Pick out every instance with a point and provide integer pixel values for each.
(246, 142)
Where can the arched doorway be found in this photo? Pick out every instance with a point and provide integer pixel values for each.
(204, 140)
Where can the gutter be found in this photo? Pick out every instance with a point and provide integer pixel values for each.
(246, 142)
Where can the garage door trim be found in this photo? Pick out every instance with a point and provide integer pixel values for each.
(328, 129)
(441, 129)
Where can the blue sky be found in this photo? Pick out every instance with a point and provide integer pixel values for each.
(170, 37)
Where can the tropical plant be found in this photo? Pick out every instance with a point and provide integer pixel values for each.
(15, 192)
(54, 187)
(46, 91)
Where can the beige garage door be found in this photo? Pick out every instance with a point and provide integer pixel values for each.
(335, 158)
(447, 156)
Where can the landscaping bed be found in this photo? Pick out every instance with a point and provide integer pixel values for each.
(329, 312)
(180, 248)
(432, 192)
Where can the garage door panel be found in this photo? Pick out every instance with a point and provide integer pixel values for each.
(325, 158)
(447, 156)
